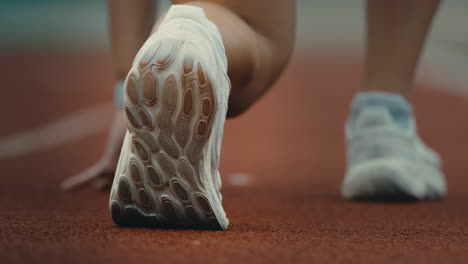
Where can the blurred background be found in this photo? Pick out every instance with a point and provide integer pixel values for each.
(324, 28)
(282, 161)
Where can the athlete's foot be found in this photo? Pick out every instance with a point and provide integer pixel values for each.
(101, 173)
(175, 106)
(386, 158)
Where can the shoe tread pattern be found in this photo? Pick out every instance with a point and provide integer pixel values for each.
(169, 110)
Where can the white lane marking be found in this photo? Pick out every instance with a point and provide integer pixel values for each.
(239, 179)
(72, 127)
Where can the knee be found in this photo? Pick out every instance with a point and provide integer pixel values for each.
(270, 60)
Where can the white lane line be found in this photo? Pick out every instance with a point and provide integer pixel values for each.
(239, 179)
(72, 127)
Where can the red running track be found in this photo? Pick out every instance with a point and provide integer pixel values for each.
(291, 143)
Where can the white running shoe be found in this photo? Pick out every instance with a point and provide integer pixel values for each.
(386, 157)
(176, 98)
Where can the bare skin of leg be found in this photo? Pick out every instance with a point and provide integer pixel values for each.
(258, 37)
(130, 26)
(396, 32)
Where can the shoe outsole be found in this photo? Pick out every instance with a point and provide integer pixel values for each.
(385, 190)
(388, 180)
(169, 110)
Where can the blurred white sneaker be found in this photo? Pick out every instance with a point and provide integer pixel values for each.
(386, 158)
(175, 106)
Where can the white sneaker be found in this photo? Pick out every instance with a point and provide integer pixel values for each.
(385, 159)
(175, 106)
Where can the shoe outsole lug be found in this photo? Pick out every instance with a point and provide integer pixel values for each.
(132, 90)
(188, 102)
(188, 64)
(194, 152)
(170, 93)
(135, 172)
(148, 55)
(201, 128)
(204, 204)
(165, 121)
(202, 80)
(144, 198)
(166, 53)
(186, 172)
(169, 211)
(154, 178)
(166, 165)
(116, 213)
(169, 146)
(149, 89)
(145, 118)
(150, 141)
(132, 118)
(206, 107)
(182, 130)
(140, 150)
(169, 115)
(179, 190)
(124, 190)
(192, 216)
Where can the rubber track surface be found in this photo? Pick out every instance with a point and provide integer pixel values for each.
(291, 143)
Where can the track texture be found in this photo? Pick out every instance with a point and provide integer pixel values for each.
(291, 144)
